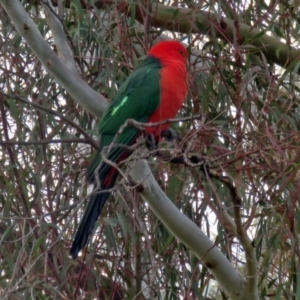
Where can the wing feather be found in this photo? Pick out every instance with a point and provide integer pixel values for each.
(139, 96)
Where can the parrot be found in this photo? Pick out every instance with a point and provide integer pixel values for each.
(154, 92)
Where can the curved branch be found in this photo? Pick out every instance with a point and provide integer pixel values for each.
(205, 22)
(64, 74)
(187, 232)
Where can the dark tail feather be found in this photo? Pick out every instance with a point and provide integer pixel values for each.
(91, 214)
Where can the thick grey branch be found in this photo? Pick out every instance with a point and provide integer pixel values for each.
(187, 232)
(205, 22)
(63, 49)
(65, 76)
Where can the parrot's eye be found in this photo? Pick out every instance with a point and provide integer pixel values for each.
(182, 53)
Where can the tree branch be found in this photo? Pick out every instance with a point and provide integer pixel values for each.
(170, 17)
(64, 75)
(59, 34)
(187, 232)
(206, 22)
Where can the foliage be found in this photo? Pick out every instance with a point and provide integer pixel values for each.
(250, 135)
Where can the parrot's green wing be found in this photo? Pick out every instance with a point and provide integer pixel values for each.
(138, 98)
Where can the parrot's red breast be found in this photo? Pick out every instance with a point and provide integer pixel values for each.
(173, 83)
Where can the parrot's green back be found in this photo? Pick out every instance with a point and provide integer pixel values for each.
(137, 99)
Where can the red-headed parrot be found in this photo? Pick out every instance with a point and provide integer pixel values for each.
(154, 92)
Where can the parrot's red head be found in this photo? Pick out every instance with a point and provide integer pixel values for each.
(169, 50)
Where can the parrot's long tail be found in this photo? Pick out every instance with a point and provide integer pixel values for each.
(92, 212)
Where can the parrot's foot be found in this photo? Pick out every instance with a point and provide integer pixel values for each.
(151, 142)
(169, 134)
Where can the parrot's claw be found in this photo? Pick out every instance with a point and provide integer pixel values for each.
(151, 143)
(169, 134)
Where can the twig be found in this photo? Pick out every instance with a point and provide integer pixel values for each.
(141, 126)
